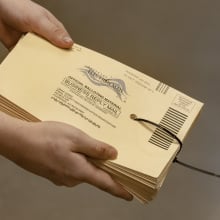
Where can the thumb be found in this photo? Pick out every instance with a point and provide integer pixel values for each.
(95, 149)
(52, 30)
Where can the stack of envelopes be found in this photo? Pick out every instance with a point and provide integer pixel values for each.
(98, 95)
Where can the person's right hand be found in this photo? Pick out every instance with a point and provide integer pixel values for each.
(58, 152)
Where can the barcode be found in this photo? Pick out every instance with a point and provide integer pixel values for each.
(173, 121)
(162, 88)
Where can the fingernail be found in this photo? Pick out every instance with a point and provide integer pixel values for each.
(113, 153)
(129, 197)
(67, 39)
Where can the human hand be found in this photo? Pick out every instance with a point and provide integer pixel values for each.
(20, 16)
(60, 153)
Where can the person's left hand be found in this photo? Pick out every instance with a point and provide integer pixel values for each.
(20, 16)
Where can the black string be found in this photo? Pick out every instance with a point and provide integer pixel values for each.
(195, 168)
(134, 117)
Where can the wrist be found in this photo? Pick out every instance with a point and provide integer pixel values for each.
(12, 131)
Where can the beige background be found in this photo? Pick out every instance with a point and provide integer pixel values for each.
(174, 41)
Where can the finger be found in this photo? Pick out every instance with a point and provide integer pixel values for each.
(8, 36)
(104, 181)
(95, 149)
(50, 28)
(67, 183)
